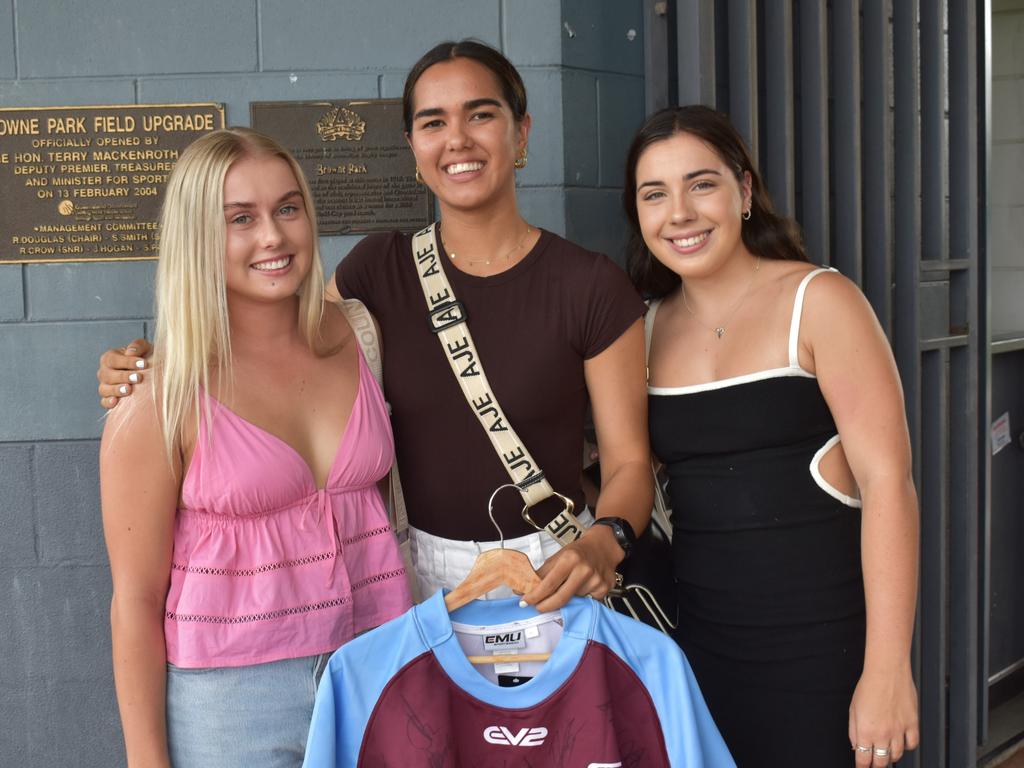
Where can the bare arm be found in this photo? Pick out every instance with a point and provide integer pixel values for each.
(139, 492)
(618, 394)
(858, 377)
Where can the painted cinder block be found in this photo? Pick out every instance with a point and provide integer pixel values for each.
(620, 112)
(532, 32)
(68, 522)
(1007, 288)
(236, 91)
(90, 291)
(1006, 235)
(594, 219)
(603, 35)
(334, 249)
(1007, 167)
(579, 109)
(17, 506)
(544, 103)
(1007, 109)
(56, 625)
(125, 37)
(12, 297)
(543, 207)
(8, 67)
(70, 92)
(58, 734)
(49, 381)
(348, 35)
(1008, 43)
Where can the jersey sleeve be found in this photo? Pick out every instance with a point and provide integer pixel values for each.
(691, 737)
(611, 305)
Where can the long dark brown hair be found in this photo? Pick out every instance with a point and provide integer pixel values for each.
(508, 78)
(765, 234)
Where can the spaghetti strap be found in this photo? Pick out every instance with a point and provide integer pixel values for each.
(798, 306)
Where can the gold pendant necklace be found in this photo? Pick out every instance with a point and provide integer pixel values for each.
(719, 330)
(470, 262)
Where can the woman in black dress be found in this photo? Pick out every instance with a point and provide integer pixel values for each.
(777, 409)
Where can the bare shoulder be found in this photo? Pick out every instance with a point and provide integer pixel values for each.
(831, 296)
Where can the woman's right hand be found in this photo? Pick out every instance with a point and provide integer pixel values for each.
(120, 369)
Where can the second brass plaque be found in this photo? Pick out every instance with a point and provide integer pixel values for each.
(356, 160)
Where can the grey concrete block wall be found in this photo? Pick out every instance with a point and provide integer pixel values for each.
(1006, 195)
(57, 701)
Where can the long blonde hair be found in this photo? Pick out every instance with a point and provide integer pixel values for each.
(192, 333)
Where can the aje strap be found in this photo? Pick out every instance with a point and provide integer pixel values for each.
(447, 318)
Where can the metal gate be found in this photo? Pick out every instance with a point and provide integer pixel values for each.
(868, 119)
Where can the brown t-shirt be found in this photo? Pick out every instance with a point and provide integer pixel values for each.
(533, 326)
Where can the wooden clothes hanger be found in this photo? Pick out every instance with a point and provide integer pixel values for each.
(495, 568)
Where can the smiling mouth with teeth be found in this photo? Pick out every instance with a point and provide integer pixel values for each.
(688, 242)
(269, 266)
(456, 168)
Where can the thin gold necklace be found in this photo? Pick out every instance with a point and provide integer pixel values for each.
(470, 262)
(719, 330)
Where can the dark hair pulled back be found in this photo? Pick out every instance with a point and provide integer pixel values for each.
(512, 88)
(765, 234)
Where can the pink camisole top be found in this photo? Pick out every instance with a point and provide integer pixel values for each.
(267, 566)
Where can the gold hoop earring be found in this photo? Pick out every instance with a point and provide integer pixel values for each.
(419, 176)
(520, 162)
(747, 214)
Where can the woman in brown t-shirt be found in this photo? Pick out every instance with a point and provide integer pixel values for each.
(555, 326)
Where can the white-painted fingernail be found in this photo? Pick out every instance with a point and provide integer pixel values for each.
(123, 389)
(140, 363)
(523, 604)
(133, 378)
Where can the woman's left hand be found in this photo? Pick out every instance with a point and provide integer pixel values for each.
(883, 716)
(585, 567)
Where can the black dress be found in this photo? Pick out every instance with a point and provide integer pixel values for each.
(767, 558)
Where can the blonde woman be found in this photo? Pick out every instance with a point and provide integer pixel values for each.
(247, 538)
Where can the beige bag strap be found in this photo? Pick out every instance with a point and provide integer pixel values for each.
(660, 512)
(365, 329)
(447, 319)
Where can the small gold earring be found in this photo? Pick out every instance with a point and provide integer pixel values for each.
(520, 162)
(419, 176)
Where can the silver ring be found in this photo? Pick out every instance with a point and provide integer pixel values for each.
(861, 748)
(881, 752)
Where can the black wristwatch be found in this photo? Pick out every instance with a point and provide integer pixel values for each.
(622, 530)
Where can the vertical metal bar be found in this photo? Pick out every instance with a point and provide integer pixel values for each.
(813, 128)
(967, 688)
(743, 70)
(935, 412)
(906, 337)
(845, 153)
(656, 74)
(779, 163)
(876, 145)
(983, 12)
(695, 47)
(934, 155)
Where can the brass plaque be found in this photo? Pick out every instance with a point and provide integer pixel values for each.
(85, 183)
(356, 160)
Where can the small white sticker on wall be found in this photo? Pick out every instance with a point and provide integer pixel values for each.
(1000, 433)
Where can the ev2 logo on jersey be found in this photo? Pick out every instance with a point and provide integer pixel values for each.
(525, 737)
